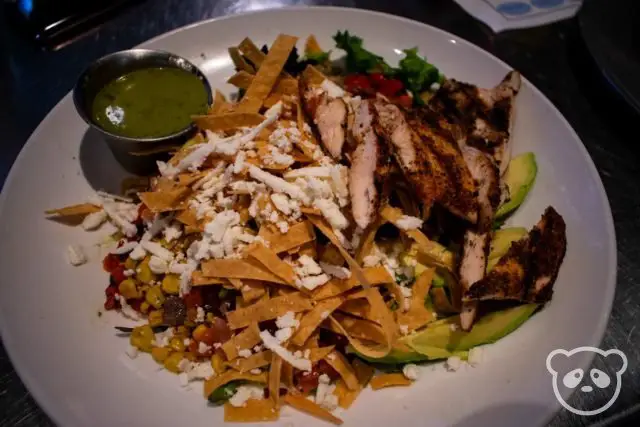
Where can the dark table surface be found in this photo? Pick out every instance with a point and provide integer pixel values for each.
(552, 57)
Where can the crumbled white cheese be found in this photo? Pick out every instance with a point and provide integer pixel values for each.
(200, 315)
(453, 363)
(238, 164)
(76, 255)
(312, 282)
(284, 334)
(216, 228)
(410, 371)
(246, 392)
(126, 310)
(94, 220)
(404, 329)
(158, 265)
(407, 222)
(337, 271)
(371, 260)
(324, 393)
(276, 157)
(138, 253)
(172, 232)
(124, 248)
(453, 327)
(157, 250)
(287, 320)
(129, 272)
(200, 371)
(255, 371)
(245, 352)
(203, 348)
(258, 348)
(331, 211)
(272, 344)
(132, 352)
(308, 266)
(315, 171)
(476, 356)
(278, 184)
(283, 203)
(111, 209)
(186, 342)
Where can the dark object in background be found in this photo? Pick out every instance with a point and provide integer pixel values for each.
(53, 24)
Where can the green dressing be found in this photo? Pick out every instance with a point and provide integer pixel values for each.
(150, 103)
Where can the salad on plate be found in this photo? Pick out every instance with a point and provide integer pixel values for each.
(336, 224)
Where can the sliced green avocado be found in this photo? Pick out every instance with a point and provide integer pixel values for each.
(501, 242)
(486, 330)
(519, 178)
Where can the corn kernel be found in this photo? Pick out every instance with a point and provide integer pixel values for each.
(210, 317)
(127, 288)
(144, 307)
(182, 332)
(142, 338)
(155, 297)
(130, 264)
(171, 284)
(172, 362)
(144, 273)
(160, 354)
(177, 344)
(155, 317)
(198, 332)
(217, 363)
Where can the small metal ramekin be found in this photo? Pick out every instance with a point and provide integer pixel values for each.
(136, 155)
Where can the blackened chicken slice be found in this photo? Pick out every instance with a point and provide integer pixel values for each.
(530, 267)
(328, 114)
(484, 116)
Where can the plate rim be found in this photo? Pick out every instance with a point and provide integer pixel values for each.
(53, 410)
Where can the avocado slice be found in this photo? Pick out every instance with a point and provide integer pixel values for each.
(501, 242)
(519, 177)
(439, 341)
(486, 330)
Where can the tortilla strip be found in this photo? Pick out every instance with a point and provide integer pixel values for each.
(256, 360)
(241, 79)
(267, 310)
(389, 380)
(252, 52)
(198, 279)
(437, 254)
(239, 269)
(344, 368)
(367, 241)
(270, 260)
(303, 404)
(319, 353)
(267, 74)
(219, 380)
(228, 121)
(246, 339)
(187, 217)
(321, 224)
(357, 307)
(251, 290)
(284, 86)
(287, 375)
(313, 75)
(312, 320)
(441, 302)
(164, 201)
(312, 45)
(308, 249)
(352, 327)
(374, 275)
(220, 104)
(363, 372)
(81, 209)
(297, 235)
(275, 373)
(418, 315)
(253, 411)
(239, 62)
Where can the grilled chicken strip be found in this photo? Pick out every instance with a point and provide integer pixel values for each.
(328, 114)
(477, 241)
(483, 117)
(418, 163)
(364, 162)
(460, 195)
(529, 269)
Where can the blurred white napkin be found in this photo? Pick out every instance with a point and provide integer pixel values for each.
(502, 15)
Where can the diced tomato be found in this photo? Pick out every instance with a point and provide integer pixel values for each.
(356, 83)
(110, 262)
(376, 79)
(118, 274)
(404, 100)
(144, 213)
(219, 332)
(111, 291)
(135, 303)
(307, 381)
(193, 298)
(111, 303)
(390, 87)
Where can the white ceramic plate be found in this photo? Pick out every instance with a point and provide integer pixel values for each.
(75, 366)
